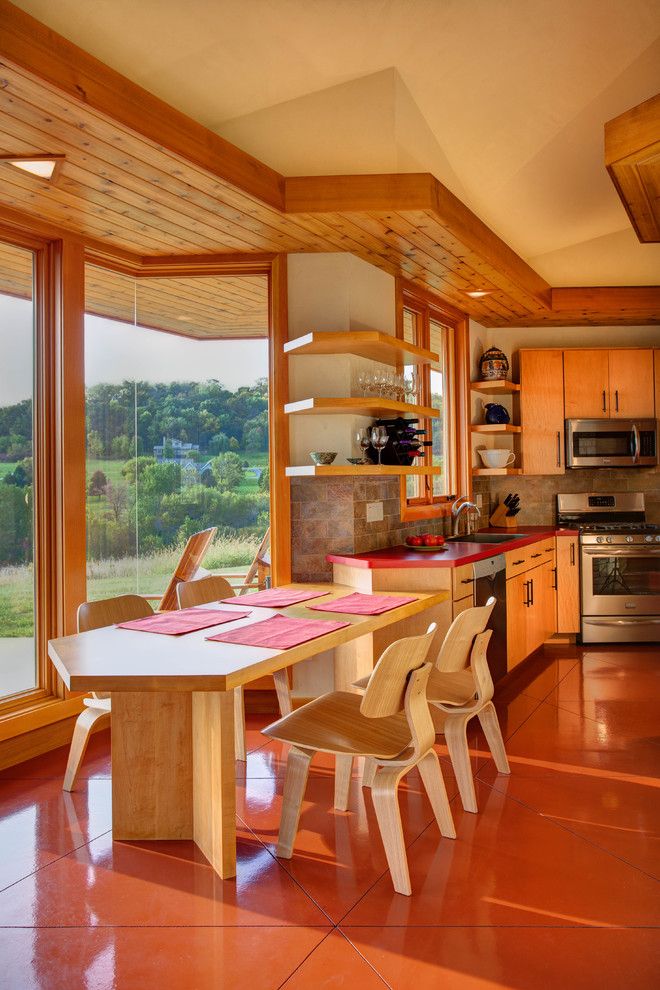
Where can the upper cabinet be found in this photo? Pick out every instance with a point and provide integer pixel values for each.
(608, 384)
(542, 411)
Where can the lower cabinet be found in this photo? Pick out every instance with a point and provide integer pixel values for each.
(568, 585)
(531, 603)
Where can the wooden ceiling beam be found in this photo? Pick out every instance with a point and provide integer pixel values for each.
(632, 158)
(28, 43)
(593, 306)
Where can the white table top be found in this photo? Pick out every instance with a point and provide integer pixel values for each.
(112, 659)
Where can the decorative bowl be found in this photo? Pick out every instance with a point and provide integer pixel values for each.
(358, 460)
(323, 456)
(496, 457)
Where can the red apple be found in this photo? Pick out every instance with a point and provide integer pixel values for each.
(428, 540)
(438, 541)
(414, 541)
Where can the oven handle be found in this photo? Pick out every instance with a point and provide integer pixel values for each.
(638, 620)
(635, 431)
(603, 552)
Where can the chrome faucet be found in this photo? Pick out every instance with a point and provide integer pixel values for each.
(463, 507)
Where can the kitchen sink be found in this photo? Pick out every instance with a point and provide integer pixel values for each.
(487, 538)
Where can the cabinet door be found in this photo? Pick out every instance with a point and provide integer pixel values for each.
(549, 599)
(517, 619)
(542, 411)
(586, 384)
(631, 384)
(568, 585)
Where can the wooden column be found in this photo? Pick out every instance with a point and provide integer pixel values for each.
(280, 494)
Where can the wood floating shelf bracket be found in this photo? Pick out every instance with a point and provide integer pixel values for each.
(357, 470)
(370, 344)
(496, 428)
(495, 388)
(367, 406)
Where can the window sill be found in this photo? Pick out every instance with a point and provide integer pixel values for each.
(35, 715)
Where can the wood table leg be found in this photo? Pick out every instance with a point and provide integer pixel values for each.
(152, 787)
(214, 779)
(352, 661)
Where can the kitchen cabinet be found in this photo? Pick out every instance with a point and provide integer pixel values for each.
(568, 585)
(530, 611)
(609, 384)
(542, 411)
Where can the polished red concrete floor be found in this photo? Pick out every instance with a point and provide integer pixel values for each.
(553, 884)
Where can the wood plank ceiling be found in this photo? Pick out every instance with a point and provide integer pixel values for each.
(121, 188)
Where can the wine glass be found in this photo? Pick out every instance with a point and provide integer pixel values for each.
(379, 440)
(363, 441)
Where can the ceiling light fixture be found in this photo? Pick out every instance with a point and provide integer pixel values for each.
(478, 293)
(43, 166)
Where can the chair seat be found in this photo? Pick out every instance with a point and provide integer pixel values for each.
(334, 724)
(457, 688)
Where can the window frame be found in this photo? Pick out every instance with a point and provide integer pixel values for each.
(431, 308)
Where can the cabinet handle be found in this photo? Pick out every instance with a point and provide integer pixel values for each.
(526, 601)
(467, 580)
(516, 562)
(558, 449)
(549, 549)
(616, 399)
(554, 586)
(534, 555)
(604, 402)
(572, 555)
(531, 581)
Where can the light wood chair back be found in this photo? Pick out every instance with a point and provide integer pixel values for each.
(109, 611)
(386, 691)
(454, 653)
(204, 590)
(480, 669)
(189, 563)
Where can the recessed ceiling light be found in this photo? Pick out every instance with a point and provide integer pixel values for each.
(478, 293)
(43, 166)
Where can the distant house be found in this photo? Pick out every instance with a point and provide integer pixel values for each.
(177, 451)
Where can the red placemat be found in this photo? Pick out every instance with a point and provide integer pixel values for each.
(184, 621)
(359, 604)
(280, 632)
(278, 597)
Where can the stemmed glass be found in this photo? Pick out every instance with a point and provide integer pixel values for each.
(379, 440)
(364, 442)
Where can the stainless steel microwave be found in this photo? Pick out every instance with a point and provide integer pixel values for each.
(611, 443)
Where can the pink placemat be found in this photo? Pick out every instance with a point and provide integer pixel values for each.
(359, 604)
(280, 632)
(183, 621)
(278, 597)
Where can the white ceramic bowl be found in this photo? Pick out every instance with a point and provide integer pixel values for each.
(496, 458)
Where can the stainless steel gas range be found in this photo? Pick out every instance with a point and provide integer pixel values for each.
(619, 566)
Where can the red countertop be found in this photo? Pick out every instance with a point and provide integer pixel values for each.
(455, 555)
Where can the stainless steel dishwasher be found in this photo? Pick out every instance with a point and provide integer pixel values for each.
(490, 579)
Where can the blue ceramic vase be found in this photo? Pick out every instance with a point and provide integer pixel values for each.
(495, 413)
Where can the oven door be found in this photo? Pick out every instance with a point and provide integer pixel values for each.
(623, 581)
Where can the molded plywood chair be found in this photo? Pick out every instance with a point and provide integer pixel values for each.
(392, 726)
(95, 615)
(460, 686)
(213, 589)
(189, 564)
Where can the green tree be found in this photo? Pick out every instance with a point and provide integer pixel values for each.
(228, 471)
(97, 483)
(94, 445)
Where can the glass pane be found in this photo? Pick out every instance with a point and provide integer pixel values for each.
(439, 452)
(18, 668)
(626, 575)
(414, 483)
(177, 425)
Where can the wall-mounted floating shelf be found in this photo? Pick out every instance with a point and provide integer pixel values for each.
(357, 470)
(495, 388)
(368, 406)
(370, 344)
(490, 472)
(496, 428)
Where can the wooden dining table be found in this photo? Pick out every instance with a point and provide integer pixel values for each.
(173, 756)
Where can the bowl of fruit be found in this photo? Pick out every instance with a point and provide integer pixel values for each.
(426, 541)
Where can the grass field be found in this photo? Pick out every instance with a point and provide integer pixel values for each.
(115, 577)
(6, 467)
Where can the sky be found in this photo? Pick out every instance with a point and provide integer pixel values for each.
(117, 351)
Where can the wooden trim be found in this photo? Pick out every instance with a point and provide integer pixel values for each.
(632, 158)
(38, 715)
(278, 424)
(43, 739)
(28, 43)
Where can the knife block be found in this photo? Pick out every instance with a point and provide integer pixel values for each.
(500, 518)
